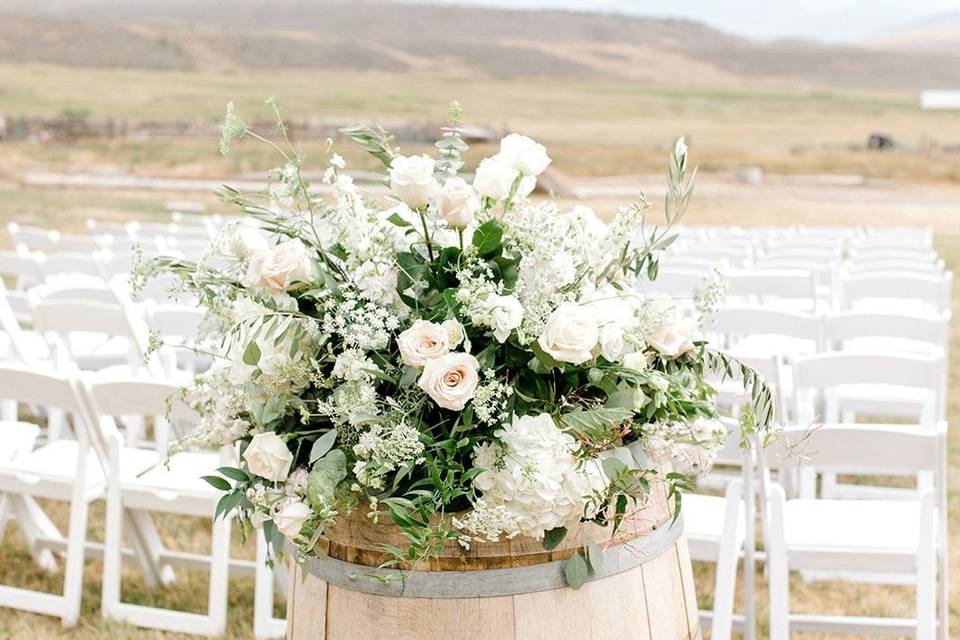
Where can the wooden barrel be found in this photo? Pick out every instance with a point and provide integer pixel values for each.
(511, 590)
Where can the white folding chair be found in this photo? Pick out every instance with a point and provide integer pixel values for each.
(677, 282)
(21, 266)
(881, 537)
(61, 470)
(83, 243)
(873, 386)
(266, 626)
(72, 268)
(764, 332)
(175, 487)
(178, 326)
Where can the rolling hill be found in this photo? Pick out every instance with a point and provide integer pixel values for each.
(441, 40)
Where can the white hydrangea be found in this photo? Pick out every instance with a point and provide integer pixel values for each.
(535, 476)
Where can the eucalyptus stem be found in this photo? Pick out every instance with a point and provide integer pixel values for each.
(426, 233)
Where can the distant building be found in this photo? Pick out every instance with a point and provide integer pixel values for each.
(940, 99)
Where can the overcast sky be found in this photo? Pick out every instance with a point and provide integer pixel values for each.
(832, 20)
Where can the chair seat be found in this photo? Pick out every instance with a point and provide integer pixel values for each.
(703, 517)
(17, 438)
(863, 525)
(56, 463)
(182, 472)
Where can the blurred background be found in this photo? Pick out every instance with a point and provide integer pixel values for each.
(796, 111)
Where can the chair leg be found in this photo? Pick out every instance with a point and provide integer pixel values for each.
(35, 527)
(219, 574)
(778, 569)
(112, 545)
(265, 625)
(149, 543)
(727, 557)
(76, 548)
(926, 590)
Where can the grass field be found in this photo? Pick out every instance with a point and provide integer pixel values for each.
(591, 129)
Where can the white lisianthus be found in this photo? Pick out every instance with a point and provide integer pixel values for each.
(673, 339)
(267, 456)
(570, 334)
(524, 154)
(245, 241)
(455, 333)
(284, 267)
(423, 341)
(535, 475)
(451, 380)
(291, 516)
(505, 315)
(411, 180)
(457, 203)
(611, 342)
(494, 178)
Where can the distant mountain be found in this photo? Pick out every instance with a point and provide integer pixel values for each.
(448, 40)
(939, 35)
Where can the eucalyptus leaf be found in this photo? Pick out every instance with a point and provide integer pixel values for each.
(251, 355)
(575, 571)
(595, 557)
(322, 445)
(553, 537)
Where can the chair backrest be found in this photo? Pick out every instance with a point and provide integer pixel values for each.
(113, 397)
(83, 243)
(678, 282)
(747, 320)
(85, 291)
(926, 329)
(773, 283)
(33, 238)
(175, 320)
(826, 372)
(882, 449)
(25, 384)
(21, 266)
(926, 290)
(69, 263)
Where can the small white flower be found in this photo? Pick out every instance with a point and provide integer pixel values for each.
(455, 333)
(524, 154)
(422, 342)
(457, 203)
(337, 161)
(611, 342)
(570, 334)
(411, 180)
(451, 380)
(267, 456)
(636, 361)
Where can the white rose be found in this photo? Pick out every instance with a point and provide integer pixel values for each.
(267, 456)
(291, 517)
(571, 334)
(611, 342)
(673, 339)
(411, 179)
(457, 203)
(526, 186)
(494, 178)
(506, 314)
(423, 341)
(450, 380)
(524, 154)
(281, 268)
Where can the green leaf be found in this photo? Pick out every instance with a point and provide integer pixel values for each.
(575, 571)
(235, 474)
(251, 355)
(398, 220)
(621, 400)
(595, 557)
(612, 467)
(228, 503)
(218, 483)
(322, 445)
(487, 238)
(595, 424)
(409, 376)
(553, 537)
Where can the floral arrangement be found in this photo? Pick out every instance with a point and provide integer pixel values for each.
(457, 357)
